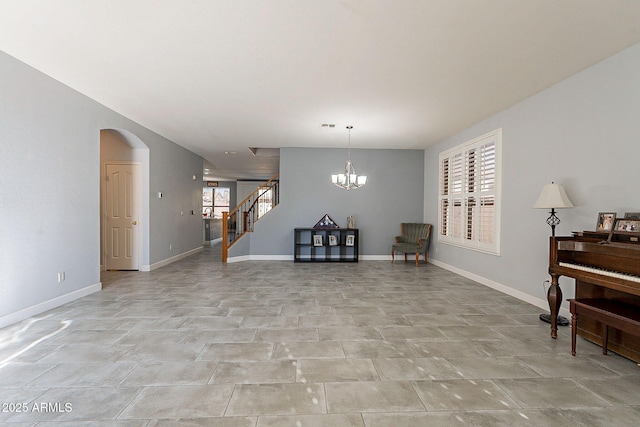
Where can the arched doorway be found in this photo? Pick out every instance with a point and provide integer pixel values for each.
(124, 201)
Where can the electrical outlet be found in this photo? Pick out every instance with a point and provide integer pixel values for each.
(60, 276)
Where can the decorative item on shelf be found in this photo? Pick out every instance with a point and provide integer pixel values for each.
(605, 221)
(317, 240)
(625, 230)
(351, 239)
(627, 225)
(351, 222)
(349, 179)
(553, 197)
(333, 240)
(326, 222)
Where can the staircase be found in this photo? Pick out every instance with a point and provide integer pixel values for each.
(241, 220)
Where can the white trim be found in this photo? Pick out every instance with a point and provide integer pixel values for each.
(212, 242)
(260, 258)
(538, 302)
(271, 257)
(34, 310)
(170, 260)
(374, 257)
(290, 258)
(238, 258)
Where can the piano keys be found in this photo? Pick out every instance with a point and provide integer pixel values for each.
(594, 270)
(602, 268)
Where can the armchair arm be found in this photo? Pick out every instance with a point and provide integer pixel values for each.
(421, 247)
(399, 239)
(426, 239)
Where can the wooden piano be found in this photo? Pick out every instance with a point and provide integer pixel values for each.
(604, 266)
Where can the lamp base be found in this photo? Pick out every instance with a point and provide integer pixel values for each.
(562, 321)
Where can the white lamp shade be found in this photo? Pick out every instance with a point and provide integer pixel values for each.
(552, 196)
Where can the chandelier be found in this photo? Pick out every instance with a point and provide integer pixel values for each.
(349, 179)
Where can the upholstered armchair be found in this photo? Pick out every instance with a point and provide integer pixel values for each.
(415, 239)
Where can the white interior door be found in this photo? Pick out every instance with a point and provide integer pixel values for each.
(122, 216)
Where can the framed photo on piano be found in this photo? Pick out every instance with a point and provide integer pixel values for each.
(628, 225)
(606, 221)
(625, 231)
(632, 215)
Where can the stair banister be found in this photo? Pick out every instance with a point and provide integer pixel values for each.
(241, 213)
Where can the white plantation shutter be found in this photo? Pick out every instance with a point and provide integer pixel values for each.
(469, 197)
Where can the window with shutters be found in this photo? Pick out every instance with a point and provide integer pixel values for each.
(469, 195)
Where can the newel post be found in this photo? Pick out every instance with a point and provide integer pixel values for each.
(225, 236)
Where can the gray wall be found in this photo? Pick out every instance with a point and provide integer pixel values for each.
(393, 194)
(583, 133)
(50, 191)
(171, 171)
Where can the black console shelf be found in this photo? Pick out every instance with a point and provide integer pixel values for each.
(325, 245)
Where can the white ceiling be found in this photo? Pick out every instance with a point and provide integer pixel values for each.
(220, 76)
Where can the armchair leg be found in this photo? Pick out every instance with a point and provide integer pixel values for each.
(405, 257)
(392, 255)
(417, 258)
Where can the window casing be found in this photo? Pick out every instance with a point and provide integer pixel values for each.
(469, 194)
(221, 197)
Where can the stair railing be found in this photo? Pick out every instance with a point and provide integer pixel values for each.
(242, 218)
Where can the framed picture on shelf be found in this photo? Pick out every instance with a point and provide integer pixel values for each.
(628, 225)
(317, 240)
(351, 239)
(333, 240)
(605, 221)
(632, 215)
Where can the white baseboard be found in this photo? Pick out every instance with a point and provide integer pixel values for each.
(212, 242)
(290, 258)
(374, 257)
(170, 260)
(36, 309)
(238, 258)
(538, 302)
(260, 258)
(271, 257)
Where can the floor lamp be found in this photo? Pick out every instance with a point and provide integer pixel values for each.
(553, 197)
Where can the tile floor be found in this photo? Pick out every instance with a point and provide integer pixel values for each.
(259, 344)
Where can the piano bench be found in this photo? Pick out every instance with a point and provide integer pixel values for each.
(609, 313)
